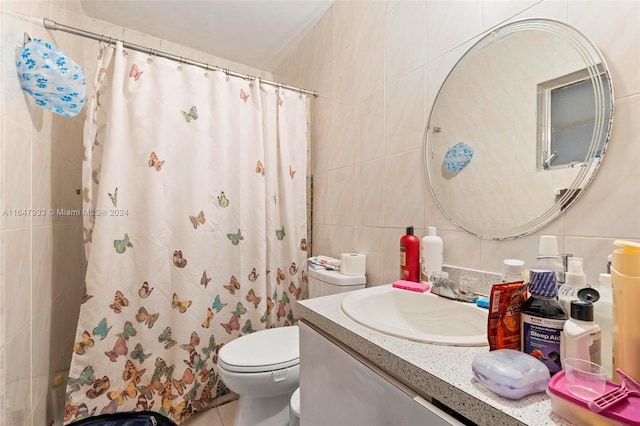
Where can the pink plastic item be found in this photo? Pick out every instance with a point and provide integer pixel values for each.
(629, 387)
(576, 410)
(411, 286)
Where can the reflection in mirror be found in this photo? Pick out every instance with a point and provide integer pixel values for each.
(519, 128)
(566, 119)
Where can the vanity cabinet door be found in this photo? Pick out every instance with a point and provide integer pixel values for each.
(336, 388)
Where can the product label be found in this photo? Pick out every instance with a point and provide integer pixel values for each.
(541, 339)
(595, 349)
(403, 264)
(504, 315)
(565, 295)
(424, 274)
(567, 292)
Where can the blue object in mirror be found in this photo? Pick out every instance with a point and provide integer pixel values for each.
(458, 157)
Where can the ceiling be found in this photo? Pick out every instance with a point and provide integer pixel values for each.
(257, 33)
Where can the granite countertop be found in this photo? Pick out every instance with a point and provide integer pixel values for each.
(441, 372)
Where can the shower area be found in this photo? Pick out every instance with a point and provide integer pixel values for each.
(177, 219)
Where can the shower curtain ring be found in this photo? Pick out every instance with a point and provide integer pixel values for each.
(101, 38)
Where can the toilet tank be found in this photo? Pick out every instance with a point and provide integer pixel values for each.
(324, 283)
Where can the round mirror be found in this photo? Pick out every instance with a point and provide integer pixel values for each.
(519, 128)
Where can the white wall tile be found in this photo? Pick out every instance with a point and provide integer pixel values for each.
(16, 172)
(343, 15)
(405, 114)
(40, 353)
(391, 254)
(459, 20)
(553, 9)
(42, 271)
(404, 190)
(321, 236)
(368, 193)
(370, 242)
(321, 211)
(342, 240)
(495, 12)
(370, 130)
(16, 264)
(622, 54)
(405, 39)
(18, 377)
(460, 248)
(321, 143)
(341, 190)
(344, 135)
(41, 181)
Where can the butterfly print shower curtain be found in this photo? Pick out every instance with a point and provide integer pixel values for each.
(194, 224)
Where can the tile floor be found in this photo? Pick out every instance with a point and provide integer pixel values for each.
(222, 415)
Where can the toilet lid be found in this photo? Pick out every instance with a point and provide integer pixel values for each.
(265, 350)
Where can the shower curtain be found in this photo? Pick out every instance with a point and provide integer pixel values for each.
(195, 224)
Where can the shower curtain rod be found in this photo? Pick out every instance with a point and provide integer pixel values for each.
(52, 25)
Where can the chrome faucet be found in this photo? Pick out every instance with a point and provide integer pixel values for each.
(564, 258)
(443, 286)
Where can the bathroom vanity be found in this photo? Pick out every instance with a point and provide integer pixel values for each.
(398, 380)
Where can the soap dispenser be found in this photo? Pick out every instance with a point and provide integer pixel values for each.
(575, 279)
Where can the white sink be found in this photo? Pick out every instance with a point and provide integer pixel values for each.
(422, 317)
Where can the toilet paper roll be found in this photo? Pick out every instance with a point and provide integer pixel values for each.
(353, 263)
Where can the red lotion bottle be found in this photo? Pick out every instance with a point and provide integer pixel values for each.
(410, 256)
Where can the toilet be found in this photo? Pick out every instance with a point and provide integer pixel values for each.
(263, 367)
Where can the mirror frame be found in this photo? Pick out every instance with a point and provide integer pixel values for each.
(587, 49)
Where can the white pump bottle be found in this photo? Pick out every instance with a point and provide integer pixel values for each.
(575, 280)
(431, 254)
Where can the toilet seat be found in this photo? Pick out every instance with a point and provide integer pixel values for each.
(261, 351)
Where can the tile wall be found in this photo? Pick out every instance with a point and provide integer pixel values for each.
(42, 269)
(378, 67)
